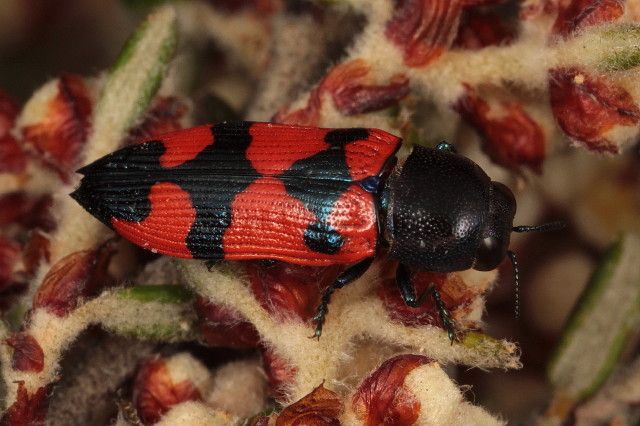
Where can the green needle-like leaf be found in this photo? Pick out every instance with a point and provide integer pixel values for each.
(600, 326)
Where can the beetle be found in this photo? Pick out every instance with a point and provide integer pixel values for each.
(304, 195)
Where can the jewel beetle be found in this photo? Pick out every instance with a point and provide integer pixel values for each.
(304, 195)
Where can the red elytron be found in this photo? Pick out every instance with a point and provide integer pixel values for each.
(245, 190)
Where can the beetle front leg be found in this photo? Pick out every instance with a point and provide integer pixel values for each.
(349, 275)
(408, 293)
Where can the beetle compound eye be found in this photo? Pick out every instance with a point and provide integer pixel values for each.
(489, 254)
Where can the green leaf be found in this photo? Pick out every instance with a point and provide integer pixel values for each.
(133, 81)
(600, 326)
(626, 51)
(157, 293)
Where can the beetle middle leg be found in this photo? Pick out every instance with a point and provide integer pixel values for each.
(408, 293)
(349, 275)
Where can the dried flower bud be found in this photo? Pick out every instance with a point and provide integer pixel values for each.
(26, 210)
(588, 107)
(163, 116)
(481, 29)
(8, 113)
(319, 408)
(12, 157)
(287, 290)
(80, 274)
(155, 391)
(60, 134)
(383, 399)
(9, 257)
(28, 409)
(511, 137)
(279, 373)
(222, 326)
(352, 90)
(579, 14)
(27, 353)
(423, 29)
(35, 251)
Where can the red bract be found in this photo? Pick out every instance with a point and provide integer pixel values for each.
(511, 136)
(382, 399)
(586, 107)
(61, 134)
(279, 373)
(27, 353)
(423, 29)
(482, 29)
(222, 326)
(287, 290)
(352, 90)
(9, 256)
(155, 392)
(30, 211)
(28, 409)
(580, 14)
(319, 408)
(163, 117)
(76, 276)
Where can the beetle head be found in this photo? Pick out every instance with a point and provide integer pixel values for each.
(445, 214)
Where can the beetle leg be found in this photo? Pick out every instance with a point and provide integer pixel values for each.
(445, 316)
(408, 293)
(349, 275)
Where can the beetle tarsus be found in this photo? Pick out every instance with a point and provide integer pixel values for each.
(445, 316)
(349, 275)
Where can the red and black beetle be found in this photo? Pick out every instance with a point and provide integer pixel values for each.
(303, 195)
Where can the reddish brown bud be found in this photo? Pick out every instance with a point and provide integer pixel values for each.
(511, 136)
(78, 275)
(9, 255)
(12, 157)
(587, 106)
(262, 7)
(26, 210)
(353, 93)
(155, 392)
(35, 251)
(423, 29)
(61, 135)
(163, 117)
(481, 29)
(279, 373)
(287, 290)
(8, 113)
(28, 409)
(352, 90)
(222, 326)
(579, 14)
(383, 399)
(319, 408)
(27, 353)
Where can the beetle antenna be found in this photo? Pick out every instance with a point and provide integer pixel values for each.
(516, 279)
(551, 226)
